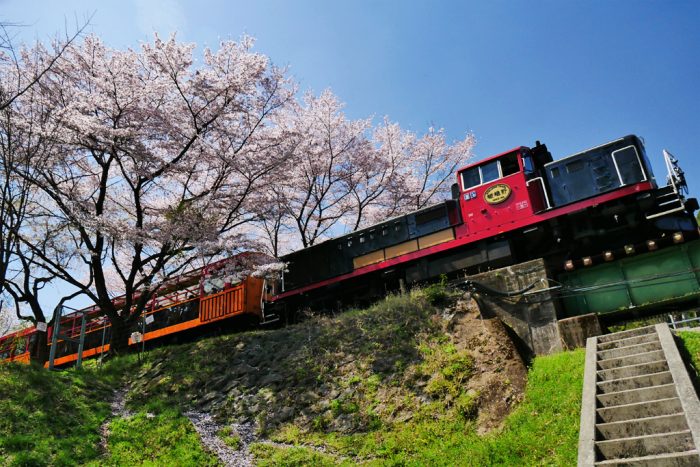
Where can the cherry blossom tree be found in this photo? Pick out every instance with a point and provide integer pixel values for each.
(137, 165)
(319, 178)
(419, 170)
(153, 162)
(21, 70)
(340, 174)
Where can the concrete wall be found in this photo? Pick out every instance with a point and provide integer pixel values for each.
(575, 331)
(532, 317)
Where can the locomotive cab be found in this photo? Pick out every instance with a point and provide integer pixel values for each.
(500, 191)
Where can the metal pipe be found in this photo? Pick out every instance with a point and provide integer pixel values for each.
(81, 342)
(54, 335)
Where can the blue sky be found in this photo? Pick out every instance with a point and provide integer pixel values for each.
(572, 74)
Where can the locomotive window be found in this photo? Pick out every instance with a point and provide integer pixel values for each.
(509, 164)
(574, 166)
(527, 163)
(470, 178)
(628, 165)
(489, 172)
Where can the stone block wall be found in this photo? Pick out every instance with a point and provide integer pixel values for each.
(532, 316)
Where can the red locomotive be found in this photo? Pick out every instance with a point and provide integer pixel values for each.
(508, 208)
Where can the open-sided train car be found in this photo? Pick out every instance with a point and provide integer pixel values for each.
(508, 208)
(14, 347)
(193, 300)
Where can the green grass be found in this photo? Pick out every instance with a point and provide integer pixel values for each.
(382, 386)
(53, 418)
(691, 342)
(542, 430)
(270, 456)
(231, 439)
(155, 435)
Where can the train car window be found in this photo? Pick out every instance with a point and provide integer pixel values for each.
(555, 172)
(628, 165)
(509, 164)
(489, 172)
(470, 178)
(574, 166)
(362, 239)
(433, 214)
(340, 246)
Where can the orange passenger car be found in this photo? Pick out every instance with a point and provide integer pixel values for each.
(189, 301)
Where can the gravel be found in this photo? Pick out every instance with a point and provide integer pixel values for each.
(208, 429)
(119, 410)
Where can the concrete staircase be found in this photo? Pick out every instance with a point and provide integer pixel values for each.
(639, 406)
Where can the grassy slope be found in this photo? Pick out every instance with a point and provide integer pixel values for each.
(54, 418)
(543, 430)
(49, 418)
(154, 435)
(396, 397)
(400, 400)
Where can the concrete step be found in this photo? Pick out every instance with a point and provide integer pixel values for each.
(629, 350)
(641, 427)
(626, 334)
(674, 459)
(632, 396)
(633, 370)
(628, 342)
(655, 408)
(638, 406)
(634, 382)
(640, 446)
(635, 359)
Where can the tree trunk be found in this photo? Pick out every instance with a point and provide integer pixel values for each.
(39, 349)
(119, 340)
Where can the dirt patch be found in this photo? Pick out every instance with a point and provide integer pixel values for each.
(499, 375)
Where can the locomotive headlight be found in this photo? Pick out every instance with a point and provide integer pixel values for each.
(629, 249)
(587, 261)
(651, 245)
(678, 237)
(569, 265)
(608, 255)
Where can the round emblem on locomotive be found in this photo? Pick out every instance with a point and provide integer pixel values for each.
(497, 193)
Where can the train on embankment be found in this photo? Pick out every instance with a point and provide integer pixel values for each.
(587, 209)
